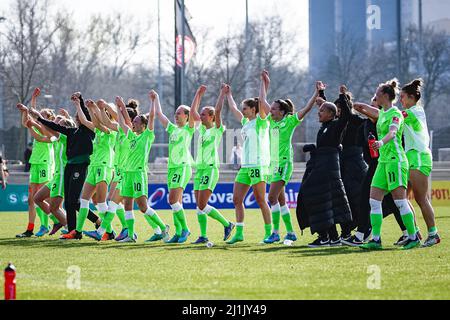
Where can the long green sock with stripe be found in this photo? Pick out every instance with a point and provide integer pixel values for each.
(156, 219)
(54, 219)
(202, 221)
(43, 217)
(129, 217)
(182, 219)
(177, 224)
(408, 221)
(286, 215)
(120, 212)
(267, 230)
(239, 230)
(150, 222)
(216, 215)
(106, 222)
(82, 215)
(276, 213)
(376, 220)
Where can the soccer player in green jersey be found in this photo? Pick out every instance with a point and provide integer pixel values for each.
(180, 161)
(419, 155)
(207, 164)
(255, 167)
(41, 169)
(283, 122)
(50, 197)
(100, 167)
(135, 175)
(391, 174)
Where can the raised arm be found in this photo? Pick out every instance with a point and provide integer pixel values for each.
(370, 111)
(345, 115)
(81, 115)
(95, 115)
(263, 89)
(303, 112)
(195, 105)
(122, 110)
(219, 105)
(151, 113)
(232, 105)
(162, 118)
(104, 119)
(36, 93)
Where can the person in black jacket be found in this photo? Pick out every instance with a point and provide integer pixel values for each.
(362, 214)
(322, 202)
(353, 166)
(79, 148)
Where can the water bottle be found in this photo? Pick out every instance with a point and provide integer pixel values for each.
(372, 140)
(10, 282)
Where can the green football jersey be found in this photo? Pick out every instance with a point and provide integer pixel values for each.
(179, 145)
(60, 153)
(255, 151)
(281, 133)
(103, 149)
(416, 130)
(139, 150)
(208, 147)
(121, 149)
(393, 150)
(42, 153)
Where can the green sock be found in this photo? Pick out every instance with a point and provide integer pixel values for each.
(54, 219)
(408, 221)
(268, 230)
(156, 219)
(102, 215)
(239, 230)
(203, 222)
(82, 215)
(182, 219)
(376, 220)
(276, 220)
(43, 217)
(130, 225)
(106, 222)
(121, 215)
(151, 223)
(177, 224)
(216, 215)
(432, 231)
(286, 215)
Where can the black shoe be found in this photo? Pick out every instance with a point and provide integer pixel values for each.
(335, 242)
(319, 242)
(352, 242)
(346, 236)
(401, 241)
(26, 234)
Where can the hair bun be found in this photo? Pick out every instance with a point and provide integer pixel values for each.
(417, 83)
(393, 84)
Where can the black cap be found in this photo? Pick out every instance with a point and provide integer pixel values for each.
(10, 267)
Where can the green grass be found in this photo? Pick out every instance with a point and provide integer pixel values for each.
(244, 271)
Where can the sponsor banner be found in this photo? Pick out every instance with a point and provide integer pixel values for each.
(15, 197)
(222, 197)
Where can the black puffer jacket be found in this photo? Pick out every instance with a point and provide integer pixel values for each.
(321, 201)
(353, 172)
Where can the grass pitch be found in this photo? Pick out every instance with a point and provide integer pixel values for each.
(47, 267)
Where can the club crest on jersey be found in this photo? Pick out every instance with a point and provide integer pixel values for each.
(405, 114)
(395, 120)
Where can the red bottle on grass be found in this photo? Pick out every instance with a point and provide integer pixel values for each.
(10, 282)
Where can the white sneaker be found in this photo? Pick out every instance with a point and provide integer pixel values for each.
(127, 240)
